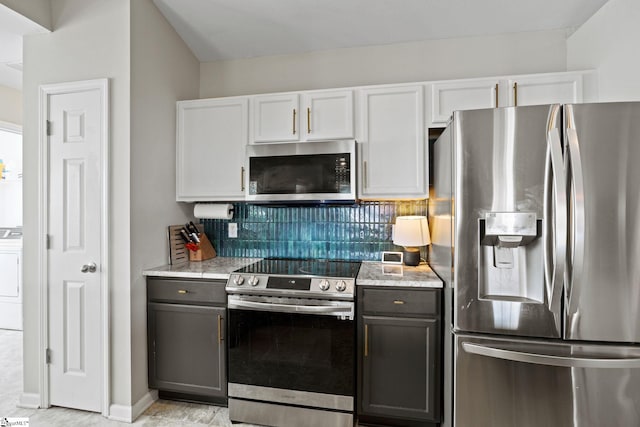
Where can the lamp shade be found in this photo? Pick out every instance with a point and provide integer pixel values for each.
(441, 228)
(411, 231)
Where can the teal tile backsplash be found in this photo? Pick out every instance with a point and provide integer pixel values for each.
(359, 232)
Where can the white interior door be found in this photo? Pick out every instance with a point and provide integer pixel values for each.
(76, 222)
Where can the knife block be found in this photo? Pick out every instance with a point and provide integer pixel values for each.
(205, 252)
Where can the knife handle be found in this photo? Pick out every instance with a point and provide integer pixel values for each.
(185, 235)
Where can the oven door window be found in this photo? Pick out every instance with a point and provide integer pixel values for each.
(292, 351)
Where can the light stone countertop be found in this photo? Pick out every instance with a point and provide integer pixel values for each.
(216, 268)
(370, 274)
(378, 274)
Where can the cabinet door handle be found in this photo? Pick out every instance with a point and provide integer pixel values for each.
(220, 336)
(183, 291)
(398, 301)
(364, 174)
(497, 95)
(294, 121)
(515, 94)
(366, 340)
(308, 120)
(242, 178)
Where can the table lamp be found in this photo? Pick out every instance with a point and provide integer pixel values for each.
(411, 232)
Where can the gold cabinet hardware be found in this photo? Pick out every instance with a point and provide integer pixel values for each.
(364, 174)
(515, 94)
(308, 120)
(497, 93)
(241, 178)
(183, 291)
(220, 337)
(294, 121)
(398, 302)
(366, 340)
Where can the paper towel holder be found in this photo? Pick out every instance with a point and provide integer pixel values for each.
(213, 211)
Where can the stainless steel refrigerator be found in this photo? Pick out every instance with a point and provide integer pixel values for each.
(535, 216)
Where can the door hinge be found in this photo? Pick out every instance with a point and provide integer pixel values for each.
(48, 355)
(48, 127)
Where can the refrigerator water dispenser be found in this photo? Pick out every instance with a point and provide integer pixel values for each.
(510, 257)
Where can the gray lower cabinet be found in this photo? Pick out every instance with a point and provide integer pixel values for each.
(400, 356)
(186, 330)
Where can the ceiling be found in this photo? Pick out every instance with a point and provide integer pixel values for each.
(231, 29)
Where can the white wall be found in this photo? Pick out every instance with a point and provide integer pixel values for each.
(522, 53)
(149, 68)
(163, 70)
(608, 43)
(10, 105)
(90, 40)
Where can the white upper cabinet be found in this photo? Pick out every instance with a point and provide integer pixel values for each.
(211, 139)
(392, 151)
(558, 88)
(275, 118)
(327, 115)
(509, 91)
(304, 116)
(391, 132)
(471, 94)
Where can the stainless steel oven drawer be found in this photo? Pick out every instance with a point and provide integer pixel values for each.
(419, 302)
(186, 291)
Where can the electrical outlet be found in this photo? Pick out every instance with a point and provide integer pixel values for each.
(233, 230)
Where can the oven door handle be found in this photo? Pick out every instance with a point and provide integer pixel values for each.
(290, 308)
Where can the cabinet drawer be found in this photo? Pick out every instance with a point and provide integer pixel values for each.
(400, 301)
(187, 291)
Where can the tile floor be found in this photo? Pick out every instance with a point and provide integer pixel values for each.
(161, 413)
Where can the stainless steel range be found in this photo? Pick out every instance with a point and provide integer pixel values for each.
(292, 343)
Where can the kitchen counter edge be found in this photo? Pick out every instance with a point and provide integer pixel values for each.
(216, 268)
(397, 275)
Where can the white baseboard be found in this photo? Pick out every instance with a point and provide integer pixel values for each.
(29, 401)
(128, 414)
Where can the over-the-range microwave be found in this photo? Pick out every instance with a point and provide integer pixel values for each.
(302, 172)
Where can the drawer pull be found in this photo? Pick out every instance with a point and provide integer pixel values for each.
(366, 340)
(220, 337)
(182, 291)
(294, 121)
(398, 302)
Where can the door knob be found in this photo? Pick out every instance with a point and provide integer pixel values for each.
(89, 268)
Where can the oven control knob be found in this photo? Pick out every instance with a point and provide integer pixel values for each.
(341, 286)
(253, 281)
(238, 281)
(324, 284)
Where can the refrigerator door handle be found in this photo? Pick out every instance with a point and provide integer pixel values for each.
(555, 246)
(551, 360)
(579, 221)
